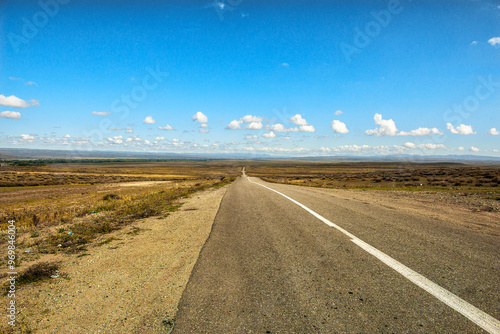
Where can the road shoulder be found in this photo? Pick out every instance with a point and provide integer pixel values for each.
(132, 284)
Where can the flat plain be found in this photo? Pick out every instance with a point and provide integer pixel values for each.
(70, 215)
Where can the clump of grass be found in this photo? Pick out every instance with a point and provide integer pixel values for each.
(37, 272)
(107, 241)
(109, 197)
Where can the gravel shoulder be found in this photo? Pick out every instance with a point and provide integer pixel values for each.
(130, 284)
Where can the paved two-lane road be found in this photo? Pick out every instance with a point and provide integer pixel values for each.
(270, 266)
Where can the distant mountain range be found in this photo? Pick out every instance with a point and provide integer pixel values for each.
(24, 153)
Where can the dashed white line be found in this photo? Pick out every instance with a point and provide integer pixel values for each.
(480, 318)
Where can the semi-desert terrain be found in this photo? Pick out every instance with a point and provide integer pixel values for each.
(111, 246)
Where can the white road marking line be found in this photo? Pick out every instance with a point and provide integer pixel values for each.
(480, 318)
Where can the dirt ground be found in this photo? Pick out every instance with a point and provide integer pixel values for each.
(129, 285)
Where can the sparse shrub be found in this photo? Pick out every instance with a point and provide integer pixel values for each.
(38, 272)
(111, 197)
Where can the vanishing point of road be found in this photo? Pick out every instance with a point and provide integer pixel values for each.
(289, 259)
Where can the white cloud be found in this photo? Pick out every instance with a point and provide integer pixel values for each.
(410, 145)
(234, 125)
(462, 129)
(100, 113)
(307, 128)
(298, 120)
(251, 119)
(149, 120)
(254, 126)
(269, 135)
(338, 112)
(31, 83)
(278, 127)
(339, 127)
(10, 114)
(13, 101)
(159, 138)
(248, 137)
(204, 128)
(386, 127)
(494, 41)
(474, 43)
(461, 148)
(493, 131)
(421, 132)
(474, 149)
(252, 123)
(129, 130)
(166, 127)
(200, 117)
(285, 64)
(116, 140)
(431, 146)
(27, 137)
(67, 136)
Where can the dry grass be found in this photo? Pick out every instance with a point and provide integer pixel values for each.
(381, 175)
(67, 215)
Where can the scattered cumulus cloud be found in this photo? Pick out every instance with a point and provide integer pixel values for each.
(200, 117)
(421, 132)
(386, 127)
(101, 113)
(339, 127)
(166, 128)
(116, 140)
(494, 41)
(474, 43)
(253, 126)
(204, 128)
(27, 137)
(298, 120)
(234, 125)
(428, 146)
(129, 130)
(269, 135)
(14, 101)
(474, 149)
(67, 136)
(461, 148)
(249, 137)
(149, 120)
(338, 112)
(462, 129)
(10, 114)
(493, 131)
(251, 123)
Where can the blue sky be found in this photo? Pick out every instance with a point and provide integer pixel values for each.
(297, 78)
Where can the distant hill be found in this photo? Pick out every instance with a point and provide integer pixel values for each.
(24, 153)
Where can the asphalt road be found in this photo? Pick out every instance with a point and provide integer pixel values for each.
(270, 266)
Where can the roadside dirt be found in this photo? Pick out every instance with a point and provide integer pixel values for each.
(129, 284)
